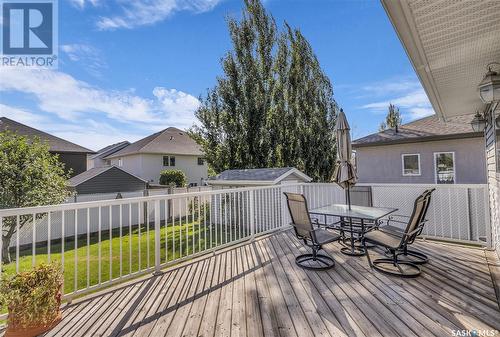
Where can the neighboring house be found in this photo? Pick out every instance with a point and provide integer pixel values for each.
(97, 160)
(426, 151)
(259, 177)
(165, 150)
(108, 179)
(72, 155)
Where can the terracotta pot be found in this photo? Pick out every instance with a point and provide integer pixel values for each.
(35, 330)
(32, 331)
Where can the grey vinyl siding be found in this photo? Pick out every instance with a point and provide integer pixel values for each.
(493, 179)
(76, 162)
(383, 164)
(113, 180)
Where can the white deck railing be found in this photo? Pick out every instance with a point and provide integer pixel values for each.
(102, 242)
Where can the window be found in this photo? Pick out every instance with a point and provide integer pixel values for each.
(120, 162)
(444, 165)
(168, 161)
(201, 161)
(411, 164)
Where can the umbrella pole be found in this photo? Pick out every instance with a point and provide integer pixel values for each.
(349, 197)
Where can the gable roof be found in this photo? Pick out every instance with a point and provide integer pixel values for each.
(56, 144)
(94, 172)
(425, 129)
(110, 149)
(257, 176)
(168, 141)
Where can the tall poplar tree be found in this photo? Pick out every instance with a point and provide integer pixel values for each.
(393, 119)
(273, 106)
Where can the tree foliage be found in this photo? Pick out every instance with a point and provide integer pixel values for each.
(273, 106)
(173, 177)
(393, 119)
(29, 176)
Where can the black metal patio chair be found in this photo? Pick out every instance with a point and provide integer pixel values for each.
(405, 254)
(313, 237)
(396, 243)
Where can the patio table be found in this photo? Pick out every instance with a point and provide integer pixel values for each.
(363, 214)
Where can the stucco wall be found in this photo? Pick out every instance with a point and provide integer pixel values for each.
(383, 164)
(149, 166)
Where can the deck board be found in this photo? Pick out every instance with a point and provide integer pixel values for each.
(255, 289)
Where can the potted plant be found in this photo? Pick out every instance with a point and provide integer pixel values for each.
(33, 299)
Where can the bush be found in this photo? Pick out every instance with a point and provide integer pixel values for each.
(33, 297)
(173, 177)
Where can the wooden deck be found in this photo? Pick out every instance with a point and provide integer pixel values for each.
(256, 289)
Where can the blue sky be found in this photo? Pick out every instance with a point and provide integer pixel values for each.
(130, 68)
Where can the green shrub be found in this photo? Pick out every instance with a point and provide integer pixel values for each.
(32, 297)
(173, 177)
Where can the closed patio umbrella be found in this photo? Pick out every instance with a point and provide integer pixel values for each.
(345, 173)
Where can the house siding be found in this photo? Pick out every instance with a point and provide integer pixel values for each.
(493, 179)
(76, 162)
(149, 166)
(113, 180)
(383, 164)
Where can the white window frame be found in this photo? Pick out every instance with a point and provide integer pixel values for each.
(169, 158)
(120, 162)
(454, 166)
(403, 165)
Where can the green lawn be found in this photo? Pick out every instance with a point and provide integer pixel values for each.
(134, 251)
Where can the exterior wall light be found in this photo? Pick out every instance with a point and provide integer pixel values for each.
(489, 88)
(478, 123)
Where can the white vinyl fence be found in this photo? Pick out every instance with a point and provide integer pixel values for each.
(457, 212)
(101, 242)
(104, 241)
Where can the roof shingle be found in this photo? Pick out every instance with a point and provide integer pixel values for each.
(168, 141)
(56, 144)
(427, 128)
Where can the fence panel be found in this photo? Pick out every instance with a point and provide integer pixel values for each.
(456, 212)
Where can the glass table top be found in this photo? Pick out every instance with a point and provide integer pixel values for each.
(357, 212)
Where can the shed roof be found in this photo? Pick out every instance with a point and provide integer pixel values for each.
(257, 176)
(94, 172)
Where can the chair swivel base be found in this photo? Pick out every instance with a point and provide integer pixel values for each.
(353, 251)
(411, 256)
(318, 262)
(399, 268)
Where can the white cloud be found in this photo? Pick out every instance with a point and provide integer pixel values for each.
(177, 103)
(88, 56)
(82, 3)
(19, 114)
(392, 86)
(416, 113)
(70, 99)
(416, 98)
(408, 95)
(86, 132)
(147, 12)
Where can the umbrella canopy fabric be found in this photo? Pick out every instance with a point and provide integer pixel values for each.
(344, 174)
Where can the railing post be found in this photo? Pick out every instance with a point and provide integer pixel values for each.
(252, 214)
(157, 237)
